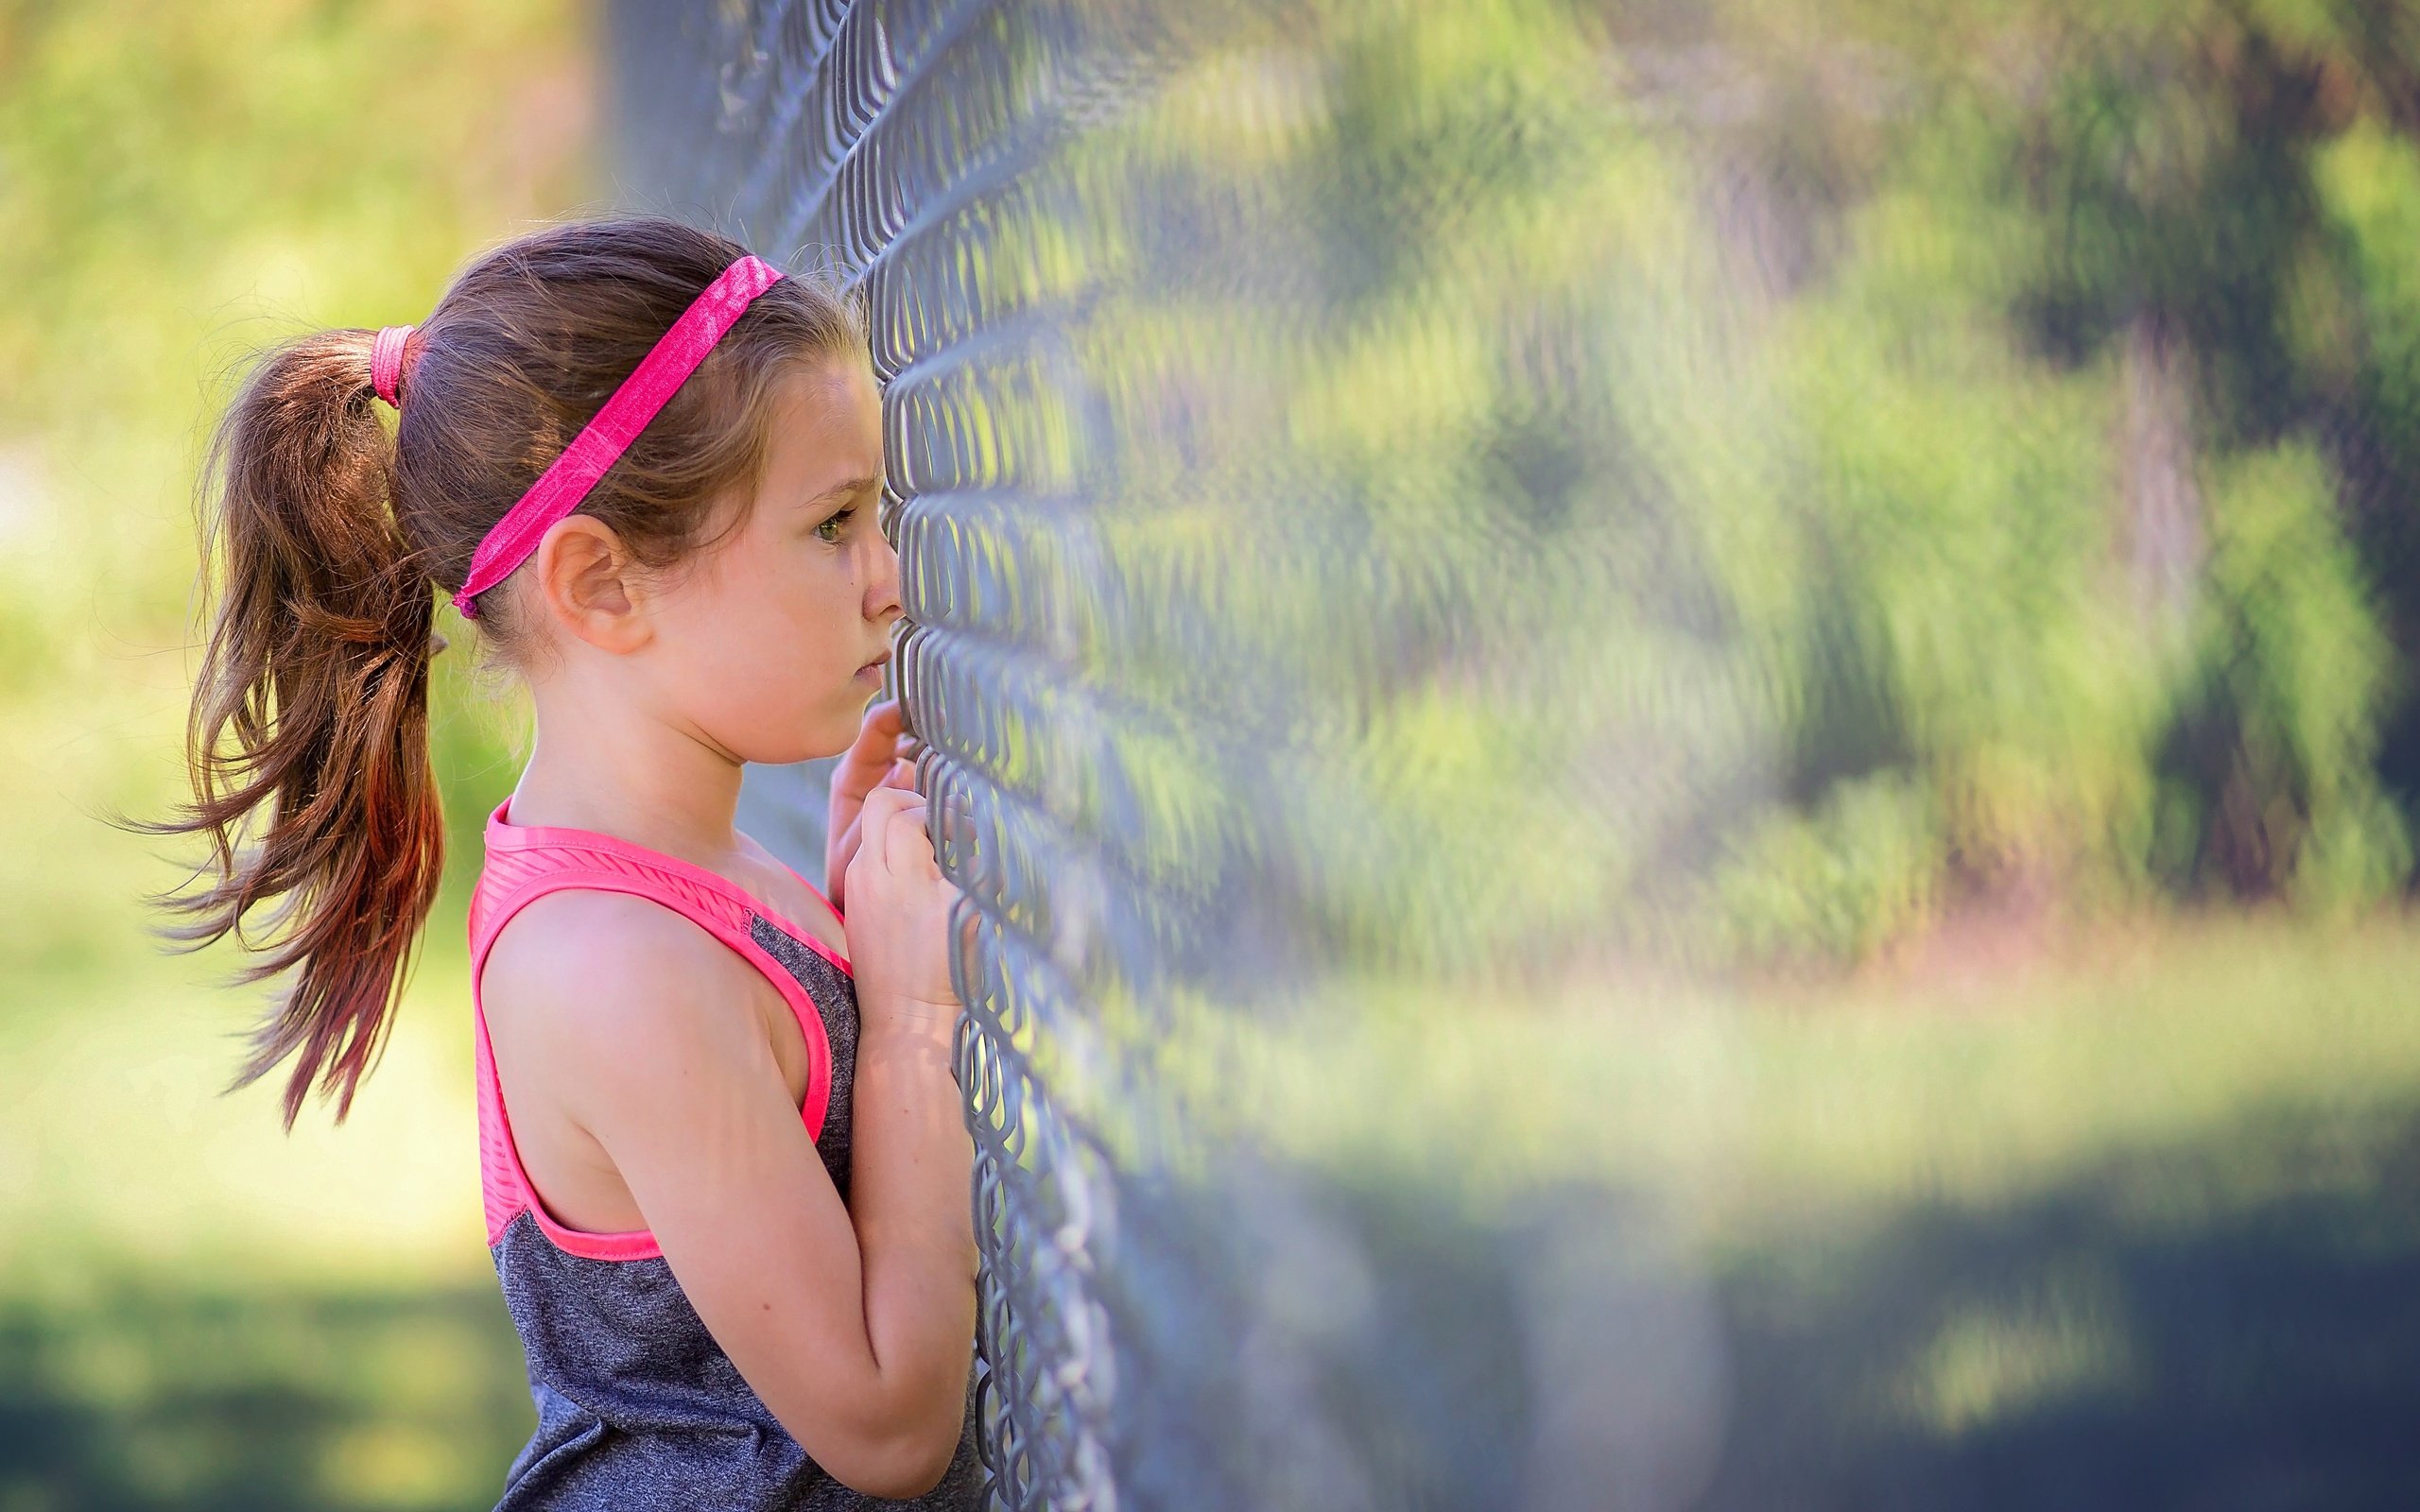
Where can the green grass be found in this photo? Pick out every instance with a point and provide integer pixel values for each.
(1960, 1209)
(2128, 1223)
(1747, 1099)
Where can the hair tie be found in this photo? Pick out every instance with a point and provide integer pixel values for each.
(386, 361)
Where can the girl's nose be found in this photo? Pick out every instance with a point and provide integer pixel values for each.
(882, 588)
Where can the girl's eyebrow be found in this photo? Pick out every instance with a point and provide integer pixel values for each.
(841, 491)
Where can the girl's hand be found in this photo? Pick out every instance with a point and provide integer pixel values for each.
(881, 757)
(898, 929)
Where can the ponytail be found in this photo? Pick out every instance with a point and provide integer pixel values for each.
(331, 550)
(318, 656)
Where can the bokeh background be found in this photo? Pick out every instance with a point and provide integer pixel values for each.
(1788, 627)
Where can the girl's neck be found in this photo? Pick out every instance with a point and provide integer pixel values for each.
(634, 777)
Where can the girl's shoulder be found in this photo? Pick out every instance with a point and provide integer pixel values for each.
(587, 996)
(554, 944)
(555, 965)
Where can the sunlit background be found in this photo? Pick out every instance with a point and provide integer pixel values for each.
(1695, 725)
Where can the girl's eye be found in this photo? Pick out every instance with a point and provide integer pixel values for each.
(842, 519)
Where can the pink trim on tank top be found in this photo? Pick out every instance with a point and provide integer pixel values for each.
(505, 1188)
(524, 836)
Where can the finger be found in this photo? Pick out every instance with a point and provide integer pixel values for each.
(882, 799)
(881, 804)
(874, 826)
(907, 849)
(878, 737)
(846, 846)
(877, 743)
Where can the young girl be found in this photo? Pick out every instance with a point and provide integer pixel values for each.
(725, 1169)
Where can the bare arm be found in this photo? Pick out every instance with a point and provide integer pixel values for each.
(857, 1336)
(912, 1186)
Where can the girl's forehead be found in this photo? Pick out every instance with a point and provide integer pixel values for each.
(828, 419)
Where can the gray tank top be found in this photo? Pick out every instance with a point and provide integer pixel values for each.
(638, 1405)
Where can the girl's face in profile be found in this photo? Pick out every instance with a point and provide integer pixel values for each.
(769, 632)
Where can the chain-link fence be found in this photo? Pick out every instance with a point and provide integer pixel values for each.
(1418, 517)
(1194, 583)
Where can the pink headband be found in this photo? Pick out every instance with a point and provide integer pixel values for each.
(563, 485)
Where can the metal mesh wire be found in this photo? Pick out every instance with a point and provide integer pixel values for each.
(1168, 597)
(1442, 535)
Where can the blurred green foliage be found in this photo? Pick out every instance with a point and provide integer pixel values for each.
(1945, 458)
(2100, 377)
(197, 1311)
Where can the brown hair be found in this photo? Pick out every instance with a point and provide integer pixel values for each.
(331, 538)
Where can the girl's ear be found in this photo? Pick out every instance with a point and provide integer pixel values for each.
(585, 575)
